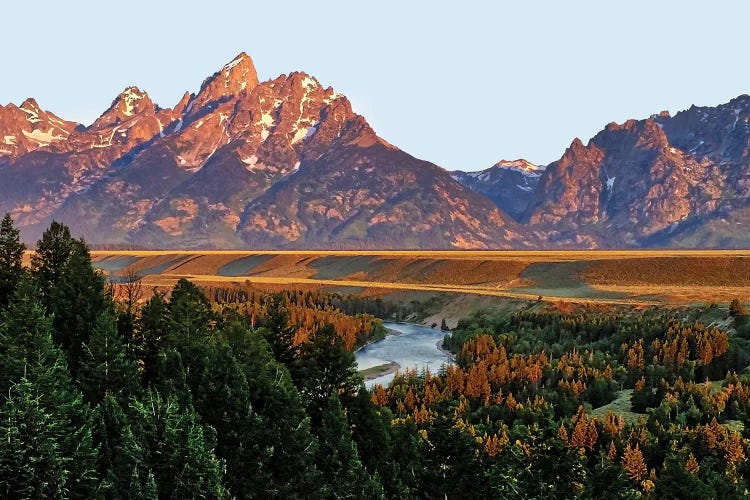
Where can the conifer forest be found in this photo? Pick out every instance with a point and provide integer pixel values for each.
(110, 392)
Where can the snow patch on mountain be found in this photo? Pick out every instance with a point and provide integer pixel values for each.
(130, 97)
(41, 137)
(522, 166)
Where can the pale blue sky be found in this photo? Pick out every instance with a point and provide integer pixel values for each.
(461, 84)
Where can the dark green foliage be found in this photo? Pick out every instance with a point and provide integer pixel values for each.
(337, 458)
(324, 367)
(370, 431)
(451, 467)
(222, 397)
(26, 346)
(285, 428)
(151, 337)
(190, 323)
(11, 255)
(29, 355)
(52, 254)
(178, 449)
(106, 368)
(187, 403)
(278, 331)
(70, 289)
(122, 459)
(32, 463)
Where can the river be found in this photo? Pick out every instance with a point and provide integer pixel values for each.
(416, 346)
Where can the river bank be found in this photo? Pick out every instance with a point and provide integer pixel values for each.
(380, 371)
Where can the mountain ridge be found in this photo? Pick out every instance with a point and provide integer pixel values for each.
(286, 163)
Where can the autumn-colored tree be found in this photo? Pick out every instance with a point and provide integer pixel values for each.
(692, 465)
(632, 462)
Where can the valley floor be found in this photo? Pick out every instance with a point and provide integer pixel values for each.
(611, 277)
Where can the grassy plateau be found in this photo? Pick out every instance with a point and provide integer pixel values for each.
(617, 277)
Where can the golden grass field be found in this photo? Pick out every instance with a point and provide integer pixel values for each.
(618, 277)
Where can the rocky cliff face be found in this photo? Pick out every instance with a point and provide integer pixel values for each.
(27, 128)
(282, 163)
(643, 183)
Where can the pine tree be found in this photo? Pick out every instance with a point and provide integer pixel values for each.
(337, 458)
(105, 366)
(285, 429)
(222, 398)
(29, 354)
(121, 458)
(151, 338)
(11, 255)
(70, 289)
(279, 332)
(32, 463)
(51, 256)
(25, 338)
(179, 450)
(190, 323)
(370, 425)
(324, 366)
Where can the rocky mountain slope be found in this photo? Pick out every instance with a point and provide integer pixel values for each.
(286, 163)
(509, 184)
(239, 164)
(652, 182)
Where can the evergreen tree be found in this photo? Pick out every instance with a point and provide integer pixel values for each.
(29, 354)
(151, 337)
(370, 430)
(191, 321)
(71, 290)
(51, 257)
(11, 255)
(26, 346)
(105, 365)
(324, 366)
(32, 462)
(222, 398)
(122, 460)
(179, 450)
(337, 458)
(285, 429)
(451, 465)
(278, 332)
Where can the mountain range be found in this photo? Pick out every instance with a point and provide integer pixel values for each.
(286, 163)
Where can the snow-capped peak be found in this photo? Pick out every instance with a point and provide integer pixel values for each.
(521, 165)
(32, 110)
(130, 97)
(241, 57)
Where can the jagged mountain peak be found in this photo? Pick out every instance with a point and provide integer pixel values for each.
(182, 104)
(129, 103)
(30, 104)
(28, 127)
(236, 76)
